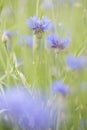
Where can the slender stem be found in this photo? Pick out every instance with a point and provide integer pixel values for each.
(17, 72)
(37, 7)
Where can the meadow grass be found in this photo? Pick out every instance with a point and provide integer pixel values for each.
(39, 67)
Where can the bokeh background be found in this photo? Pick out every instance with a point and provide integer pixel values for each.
(17, 65)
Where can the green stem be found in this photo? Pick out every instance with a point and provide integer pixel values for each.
(12, 65)
(37, 7)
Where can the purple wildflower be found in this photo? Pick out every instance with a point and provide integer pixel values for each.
(26, 39)
(38, 25)
(82, 124)
(7, 35)
(47, 4)
(56, 42)
(28, 111)
(75, 62)
(19, 62)
(71, 2)
(59, 86)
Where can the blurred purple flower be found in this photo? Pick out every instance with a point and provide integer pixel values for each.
(9, 34)
(29, 111)
(47, 4)
(26, 39)
(63, 2)
(37, 24)
(83, 124)
(19, 61)
(56, 42)
(6, 37)
(71, 2)
(60, 87)
(76, 62)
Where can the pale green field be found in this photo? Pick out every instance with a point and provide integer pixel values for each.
(40, 68)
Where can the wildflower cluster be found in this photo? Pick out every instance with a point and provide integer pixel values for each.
(40, 26)
(26, 110)
(40, 80)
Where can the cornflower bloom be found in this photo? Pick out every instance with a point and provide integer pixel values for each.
(56, 42)
(75, 62)
(38, 25)
(7, 35)
(22, 109)
(60, 87)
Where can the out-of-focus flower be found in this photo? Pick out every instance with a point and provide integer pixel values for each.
(54, 4)
(63, 2)
(28, 111)
(7, 35)
(75, 62)
(19, 62)
(57, 42)
(83, 124)
(60, 87)
(38, 25)
(28, 40)
(51, 27)
(47, 4)
(71, 2)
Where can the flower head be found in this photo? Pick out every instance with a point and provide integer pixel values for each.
(38, 25)
(75, 62)
(28, 111)
(71, 2)
(47, 4)
(56, 42)
(59, 86)
(7, 35)
(82, 124)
